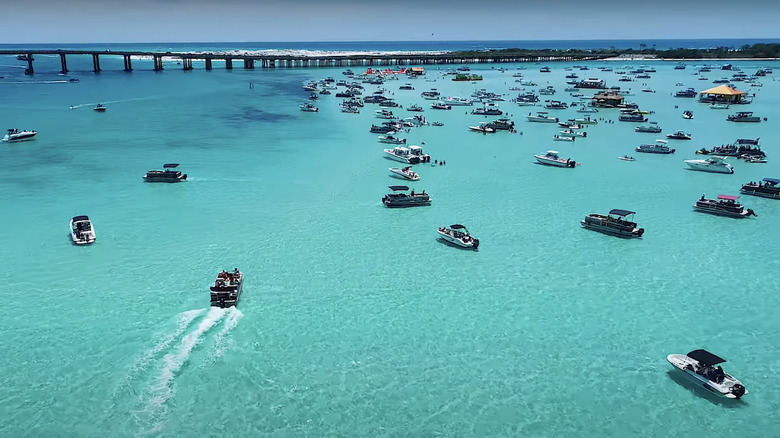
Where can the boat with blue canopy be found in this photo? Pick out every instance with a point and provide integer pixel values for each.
(766, 188)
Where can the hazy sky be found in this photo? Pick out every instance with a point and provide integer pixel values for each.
(92, 21)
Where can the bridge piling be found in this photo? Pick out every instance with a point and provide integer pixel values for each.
(229, 63)
(249, 63)
(96, 63)
(208, 63)
(64, 64)
(128, 64)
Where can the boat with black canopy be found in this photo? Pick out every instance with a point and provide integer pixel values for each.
(699, 366)
(81, 230)
(227, 288)
(617, 223)
(17, 135)
(725, 205)
(399, 198)
(766, 188)
(169, 174)
(458, 235)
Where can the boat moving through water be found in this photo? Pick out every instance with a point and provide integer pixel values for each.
(17, 135)
(699, 366)
(227, 288)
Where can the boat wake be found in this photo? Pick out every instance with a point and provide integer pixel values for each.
(166, 359)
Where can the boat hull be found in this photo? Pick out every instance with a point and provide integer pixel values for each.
(702, 167)
(685, 365)
(555, 163)
(754, 191)
(452, 240)
(405, 175)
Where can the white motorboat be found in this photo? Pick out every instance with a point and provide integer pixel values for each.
(308, 107)
(660, 147)
(391, 140)
(551, 158)
(711, 164)
(458, 235)
(410, 155)
(719, 106)
(699, 366)
(626, 158)
(563, 138)
(483, 128)
(458, 101)
(384, 114)
(573, 133)
(586, 109)
(586, 121)
(687, 115)
(541, 117)
(81, 230)
(406, 173)
(17, 135)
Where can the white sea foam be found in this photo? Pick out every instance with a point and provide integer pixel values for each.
(152, 416)
(183, 321)
(231, 320)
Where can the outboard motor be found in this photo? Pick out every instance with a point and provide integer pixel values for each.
(738, 390)
(640, 231)
(476, 243)
(750, 212)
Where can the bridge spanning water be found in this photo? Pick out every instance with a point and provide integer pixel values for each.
(285, 60)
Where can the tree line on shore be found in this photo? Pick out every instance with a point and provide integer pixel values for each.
(746, 51)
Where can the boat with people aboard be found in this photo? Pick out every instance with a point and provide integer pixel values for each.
(227, 289)
(458, 101)
(626, 158)
(169, 174)
(719, 106)
(617, 222)
(552, 158)
(632, 116)
(406, 86)
(687, 115)
(690, 92)
(651, 128)
(659, 147)
(100, 108)
(544, 70)
(572, 133)
(384, 114)
(389, 139)
(569, 138)
(82, 232)
(556, 104)
(17, 135)
(712, 164)
(399, 198)
(406, 173)
(766, 188)
(587, 109)
(699, 366)
(431, 95)
(415, 108)
(541, 117)
(410, 155)
(725, 205)
(308, 107)
(385, 128)
(483, 127)
(502, 124)
(440, 106)
(743, 116)
(458, 235)
(586, 121)
(679, 135)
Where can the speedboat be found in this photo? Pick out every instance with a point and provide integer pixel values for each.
(551, 158)
(410, 155)
(557, 137)
(699, 366)
(617, 223)
(483, 128)
(384, 114)
(308, 107)
(573, 133)
(660, 147)
(712, 164)
(440, 106)
(743, 117)
(632, 117)
(690, 92)
(415, 108)
(585, 109)
(555, 104)
(81, 230)
(766, 188)
(458, 101)
(100, 108)
(652, 128)
(399, 198)
(391, 140)
(406, 173)
(679, 135)
(719, 106)
(430, 95)
(626, 158)
(17, 135)
(502, 124)
(586, 121)
(687, 115)
(227, 288)
(542, 118)
(725, 205)
(168, 174)
(458, 235)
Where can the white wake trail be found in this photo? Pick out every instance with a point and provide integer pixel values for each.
(233, 316)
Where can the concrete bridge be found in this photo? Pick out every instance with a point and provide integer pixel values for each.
(285, 61)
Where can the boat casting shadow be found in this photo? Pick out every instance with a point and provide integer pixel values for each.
(704, 393)
(450, 244)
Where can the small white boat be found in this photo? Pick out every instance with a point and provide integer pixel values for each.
(308, 107)
(458, 235)
(384, 114)
(551, 158)
(711, 164)
(687, 115)
(81, 230)
(406, 173)
(626, 158)
(585, 109)
(389, 139)
(699, 366)
(17, 135)
(483, 128)
(541, 117)
(563, 138)
(573, 133)
(719, 106)
(410, 155)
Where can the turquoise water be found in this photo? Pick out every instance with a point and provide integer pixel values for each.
(355, 320)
